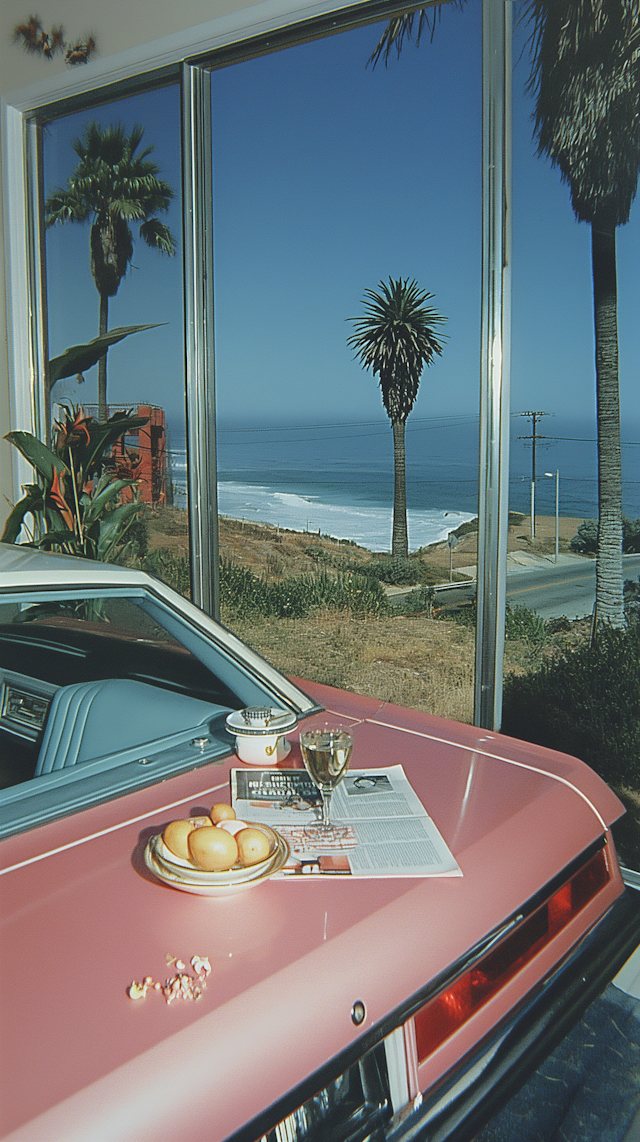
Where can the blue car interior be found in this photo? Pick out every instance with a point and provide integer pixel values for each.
(88, 719)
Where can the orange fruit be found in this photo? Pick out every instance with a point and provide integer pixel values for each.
(222, 812)
(253, 846)
(175, 838)
(201, 822)
(212, 849)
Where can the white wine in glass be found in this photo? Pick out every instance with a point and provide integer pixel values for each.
(326, 754)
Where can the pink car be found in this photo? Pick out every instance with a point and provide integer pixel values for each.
(321, 1006)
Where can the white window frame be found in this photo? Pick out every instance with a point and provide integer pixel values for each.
(26, 318)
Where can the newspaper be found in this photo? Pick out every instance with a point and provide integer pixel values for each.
(381, 827)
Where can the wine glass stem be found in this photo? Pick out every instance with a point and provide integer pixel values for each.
(326, 805)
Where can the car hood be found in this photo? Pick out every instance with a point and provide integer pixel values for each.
(82, 918)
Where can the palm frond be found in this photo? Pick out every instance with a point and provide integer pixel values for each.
(127, 208)
(157, 235)
(395, 339)
(66, 206)
(401, 29)
(585, 78)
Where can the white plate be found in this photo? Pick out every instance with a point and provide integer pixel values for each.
(178, 875)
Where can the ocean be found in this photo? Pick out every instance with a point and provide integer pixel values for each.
(337, 479)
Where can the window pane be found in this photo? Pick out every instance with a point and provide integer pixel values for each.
(332, 177)
(121, 275)
(586, 703)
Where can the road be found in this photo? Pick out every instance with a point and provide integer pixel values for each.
(568, 589)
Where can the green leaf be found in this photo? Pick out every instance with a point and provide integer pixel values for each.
(42, 458)
(79, 358)
(103, 436)
(60, 538)
(99, 501)
(53, 519)
(114, 526)
(29, 504)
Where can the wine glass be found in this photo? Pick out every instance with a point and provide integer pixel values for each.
(326, 753)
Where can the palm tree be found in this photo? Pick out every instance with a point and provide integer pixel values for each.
(586, 79)
(113, 186)
(396, 339)
(585, 75)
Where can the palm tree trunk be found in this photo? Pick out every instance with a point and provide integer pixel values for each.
(399, 538)
(609, 602)
(102, 363)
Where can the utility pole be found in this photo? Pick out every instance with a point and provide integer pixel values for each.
(534, 417)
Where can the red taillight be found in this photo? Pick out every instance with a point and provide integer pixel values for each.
(441, 1016)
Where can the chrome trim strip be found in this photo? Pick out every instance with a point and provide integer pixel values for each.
(631, 877)
(19, 302)
(37, 281)
(199, 338)
(493, 507)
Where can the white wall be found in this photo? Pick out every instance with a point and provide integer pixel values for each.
(116, 25)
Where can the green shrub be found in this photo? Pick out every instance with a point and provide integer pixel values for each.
(630, 535)
(559, 625)
(587, 704)
(631, 594)
(354, 591)
(524, 625)
(275, 565)
(241, 591)
(138, 538)
(585, 541)
(471, 525)
(244, 594)
(320, 554)
(420, 600)
(521, 624)
(171, 568)
(467, 528)
(396, 570)
(465, 615)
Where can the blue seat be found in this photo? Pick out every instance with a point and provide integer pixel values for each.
(90, 719)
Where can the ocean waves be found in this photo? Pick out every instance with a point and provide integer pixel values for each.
(340, 486)
(368, 525)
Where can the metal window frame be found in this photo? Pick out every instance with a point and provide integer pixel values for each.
(495, 352)
(26, 320)
(199, 337)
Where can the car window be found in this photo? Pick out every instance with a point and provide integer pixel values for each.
(80, 639)
(102, 691)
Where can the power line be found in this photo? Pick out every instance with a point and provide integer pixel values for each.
(590, 440)
(436, 421)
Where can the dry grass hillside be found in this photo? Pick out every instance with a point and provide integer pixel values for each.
(412, 660)
(269, 550)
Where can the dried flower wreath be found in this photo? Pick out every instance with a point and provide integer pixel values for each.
(36, 40)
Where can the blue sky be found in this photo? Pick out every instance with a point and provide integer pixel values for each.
(148, 366)
(329, 176)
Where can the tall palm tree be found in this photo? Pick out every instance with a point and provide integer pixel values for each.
(113, 186)
(586, 80)
(395, 339)
(585, 76)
